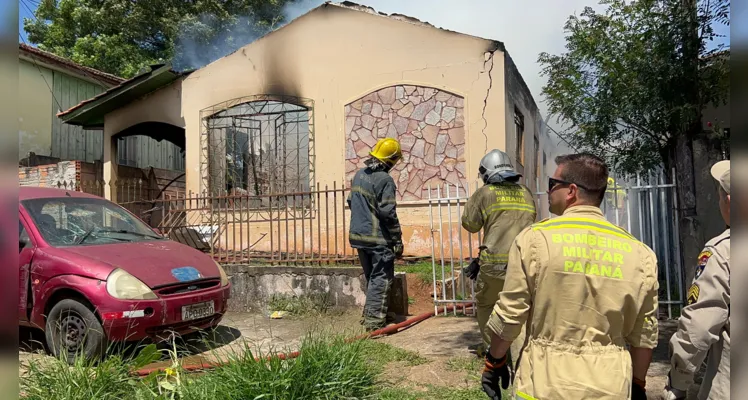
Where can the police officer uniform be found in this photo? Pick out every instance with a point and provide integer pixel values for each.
(502, 209)
(704, 324)
(583, 289)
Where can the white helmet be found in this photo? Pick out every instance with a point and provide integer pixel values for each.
(495, 162)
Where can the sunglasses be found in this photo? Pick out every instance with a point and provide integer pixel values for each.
(552, 182)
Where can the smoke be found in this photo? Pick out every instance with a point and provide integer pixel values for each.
(205, 38)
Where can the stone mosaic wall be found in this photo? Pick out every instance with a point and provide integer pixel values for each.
(430, 125)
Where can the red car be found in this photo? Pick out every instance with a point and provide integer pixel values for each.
(92, 273)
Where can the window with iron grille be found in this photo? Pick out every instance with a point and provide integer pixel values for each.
(259, 147)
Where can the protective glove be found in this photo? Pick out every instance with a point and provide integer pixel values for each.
(494, 370)
(637, 390)
(672, 393)
(398, 248)
(472, 269)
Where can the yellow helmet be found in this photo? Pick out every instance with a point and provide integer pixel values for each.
(388, 151)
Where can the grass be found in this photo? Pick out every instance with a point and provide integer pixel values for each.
(329, 367)
(380, 354)
(307, 304)
(422, 269)
(326, 369)
(435, 393)
(467, 364)
(107, 380)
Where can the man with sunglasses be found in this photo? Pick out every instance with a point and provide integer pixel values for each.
(502, 208)
(583, 289)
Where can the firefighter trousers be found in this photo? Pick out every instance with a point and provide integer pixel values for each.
(379, 269)
(489, 284)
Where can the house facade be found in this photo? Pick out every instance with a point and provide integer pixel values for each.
(304, 105)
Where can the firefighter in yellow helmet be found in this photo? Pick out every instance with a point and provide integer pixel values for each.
(375, 229)
(584, 289)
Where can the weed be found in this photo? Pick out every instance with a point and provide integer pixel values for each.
(411, 300)
(423, 270)
(326, 368)
(108, 379)
(380, 354)
(467, 364)
(435, 393)
(306, 304)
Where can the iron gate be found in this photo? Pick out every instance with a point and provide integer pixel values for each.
(646, 206)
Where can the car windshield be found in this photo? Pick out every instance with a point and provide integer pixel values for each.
(79, 221)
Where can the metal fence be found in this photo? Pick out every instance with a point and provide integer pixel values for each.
(299, 228)
(646, 206)
(452, 249)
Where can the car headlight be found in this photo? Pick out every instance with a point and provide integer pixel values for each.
(224, 277)
(122, 285)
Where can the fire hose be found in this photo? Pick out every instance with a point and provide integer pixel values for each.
(388, 330)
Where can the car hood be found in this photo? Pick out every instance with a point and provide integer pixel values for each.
(156, 263)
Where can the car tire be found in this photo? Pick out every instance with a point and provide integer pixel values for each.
(72, 329)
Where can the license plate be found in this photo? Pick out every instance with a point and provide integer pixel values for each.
(197, 311)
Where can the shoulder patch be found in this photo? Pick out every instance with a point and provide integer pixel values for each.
(693, 294)
(701, 263)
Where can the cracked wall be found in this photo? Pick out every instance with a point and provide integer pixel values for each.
(428, 122)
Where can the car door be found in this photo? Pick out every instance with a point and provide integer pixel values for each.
(25, 254)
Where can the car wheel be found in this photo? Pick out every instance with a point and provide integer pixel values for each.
(72, 330)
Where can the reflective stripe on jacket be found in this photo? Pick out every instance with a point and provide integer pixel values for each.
(583, 288)
(374, 219)
(502, 210)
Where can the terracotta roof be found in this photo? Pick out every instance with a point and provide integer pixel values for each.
(49, 58)
(156, 76)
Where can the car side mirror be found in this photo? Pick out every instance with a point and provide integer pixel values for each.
(22, 242)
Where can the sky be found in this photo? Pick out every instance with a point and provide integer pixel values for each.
(526, 31)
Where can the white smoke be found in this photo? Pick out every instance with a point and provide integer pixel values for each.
(206, 38)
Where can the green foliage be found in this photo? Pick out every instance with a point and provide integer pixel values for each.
(328, 368)
(636, 76)
(307, 304)
(109, 379)
(423, 270)
(380, 354)
(121, 37)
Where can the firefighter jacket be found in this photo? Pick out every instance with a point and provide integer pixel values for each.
(704, 324)
(374, 219)
(502, 210)
(615, 195)
(583, 288)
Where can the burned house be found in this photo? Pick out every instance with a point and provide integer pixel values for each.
(303, 105)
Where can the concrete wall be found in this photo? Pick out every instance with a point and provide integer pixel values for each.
(252, 287)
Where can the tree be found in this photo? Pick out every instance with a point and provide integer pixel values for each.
(633, 83)
(122, 36)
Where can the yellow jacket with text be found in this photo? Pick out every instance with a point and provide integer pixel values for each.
(502, 210)
(584, 288)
